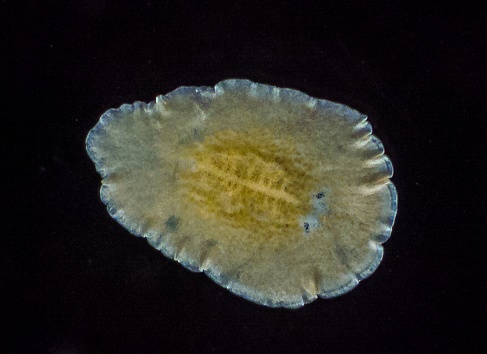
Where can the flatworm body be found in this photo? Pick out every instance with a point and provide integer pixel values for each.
(277, 196)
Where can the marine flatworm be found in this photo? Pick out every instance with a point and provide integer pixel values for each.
(277, 196)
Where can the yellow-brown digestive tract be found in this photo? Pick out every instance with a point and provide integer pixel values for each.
(250, 180)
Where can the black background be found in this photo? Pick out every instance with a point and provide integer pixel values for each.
(74, 281)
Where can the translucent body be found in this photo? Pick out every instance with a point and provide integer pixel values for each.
(275, 195)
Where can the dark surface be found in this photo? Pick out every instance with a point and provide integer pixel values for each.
(73, 280)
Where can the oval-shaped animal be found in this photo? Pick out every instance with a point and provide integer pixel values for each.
(277, 196)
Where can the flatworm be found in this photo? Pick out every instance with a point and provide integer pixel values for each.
(277, 196)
